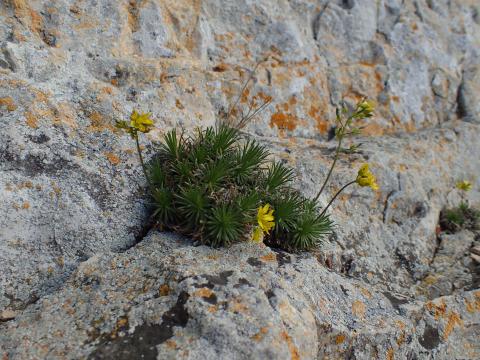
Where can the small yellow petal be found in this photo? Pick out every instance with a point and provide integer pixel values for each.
(257, 235)
(464, 185)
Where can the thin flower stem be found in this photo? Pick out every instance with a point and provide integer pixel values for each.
(337, 152)
(139, 151)
(335, 196)
(237, 100)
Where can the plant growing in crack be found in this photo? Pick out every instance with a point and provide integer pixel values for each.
(218, 186)
(463, 216)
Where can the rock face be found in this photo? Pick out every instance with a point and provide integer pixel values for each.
(166, 299)
(80, 277)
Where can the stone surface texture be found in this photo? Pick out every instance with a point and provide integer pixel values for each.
(84, 274)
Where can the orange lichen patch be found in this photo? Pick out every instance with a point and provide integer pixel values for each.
(400, 324)
(373, 129)
(237, 307)
(452, 321)
(36, 21)
(322, 125)
(367, 64)
(474, 305)
(380, 83)
(132, 15)
(401, 339)
(107, 90)
(212, 309)
(410, 127)
(31, 120)
(262, 96)
(220, 67)
(179, 105)
(26, 205)
(245, 95)
(8, 103)
(120, 325)
(204, 292)
(269, 257)
(366, 293)
(164, 290)
(25, 184)
(260, 335)
(390, 354)
(171, 344)
(114, 159)
(98, 123)
(339, 339)
(283, 121)
(437, 310)
(358, 309)
(23, 12)
(64, 114)
(291, 345)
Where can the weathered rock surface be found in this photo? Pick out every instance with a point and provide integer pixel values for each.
(166, 299)
(74, 282)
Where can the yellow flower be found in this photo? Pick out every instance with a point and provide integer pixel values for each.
(365, 108)
(366, 178)
(265, 218)
(257, 235)
(141, 121)
(464, 185)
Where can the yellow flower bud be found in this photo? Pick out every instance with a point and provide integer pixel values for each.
(464, 185)
(365, 109)
(366, 178)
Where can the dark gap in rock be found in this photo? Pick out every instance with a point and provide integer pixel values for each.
(461, 106)
(254, 262)
(220, 279)
(385, 205)
(142, 343)
(39, 139)
(141, 233)
(7, 61)
(347, 4)
(331, 133)
(430, 338)
(283, 257)
(242, 282)
(395, 301)
(204, 285)
(346, 266)
(270, 294)
(212, 299)
(48, 38)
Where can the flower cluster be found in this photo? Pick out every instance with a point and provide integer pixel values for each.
(464, 185)
(366, 178)
(365, 109)
(139, 122)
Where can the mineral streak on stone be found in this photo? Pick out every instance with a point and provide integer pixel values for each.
(83, 275)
